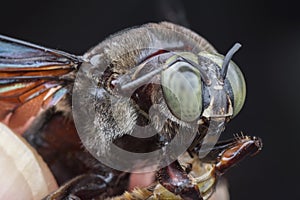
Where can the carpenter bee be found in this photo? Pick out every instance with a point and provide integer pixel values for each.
(150, 98)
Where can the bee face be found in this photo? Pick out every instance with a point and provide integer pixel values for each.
(141, 88)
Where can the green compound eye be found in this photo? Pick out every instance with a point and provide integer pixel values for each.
(238, 85)
(236, 81)
(182, 89)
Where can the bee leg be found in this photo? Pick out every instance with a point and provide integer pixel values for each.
(226, 154)
(89, 186)
(175, 179)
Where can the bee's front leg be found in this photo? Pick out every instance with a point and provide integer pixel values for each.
(90, 186)
(176, 180)
(226, 154)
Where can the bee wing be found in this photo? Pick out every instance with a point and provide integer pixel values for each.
(31, 78)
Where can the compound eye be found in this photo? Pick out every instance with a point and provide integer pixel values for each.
(238, 85)
(182, 90)
(236, 81)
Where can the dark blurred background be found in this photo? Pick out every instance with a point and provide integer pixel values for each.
(270, 59)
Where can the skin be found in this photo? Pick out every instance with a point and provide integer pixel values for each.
(27, 176)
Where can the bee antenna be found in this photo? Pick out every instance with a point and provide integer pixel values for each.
(134, 84)
(227, 59)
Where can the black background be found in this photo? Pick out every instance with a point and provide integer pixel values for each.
(269, 58)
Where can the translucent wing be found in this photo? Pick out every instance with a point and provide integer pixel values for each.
(31, 78)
